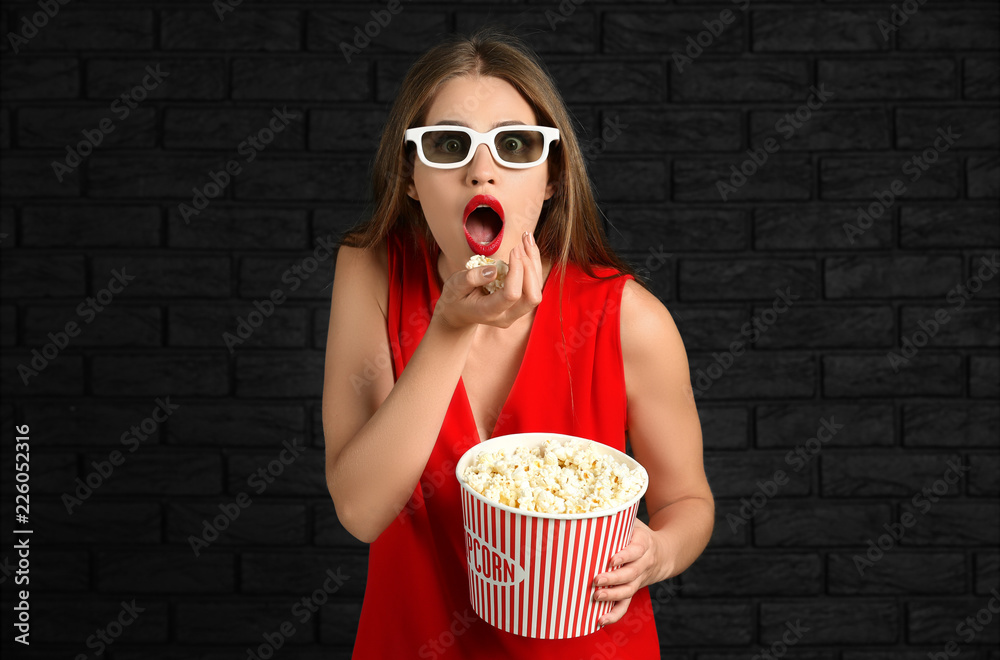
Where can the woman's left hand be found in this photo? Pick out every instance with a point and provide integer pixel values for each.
(641, 563)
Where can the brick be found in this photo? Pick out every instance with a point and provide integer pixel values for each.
(864, 375)
(889, 474)
(806, 227)
(952, 523)
(50, 472)
(165, 571)
(821, 130)
(658, 130)
(346, 130)
(899, 79)
(330, 30)
(730, 530)
(279, 472)
(948, 226)
(183, 78)
(724, 427)
(320, 326)
(668, 32)
(246, 621)
(756, 376)
(965, 29)
(90, 422)
(987, 571)
(950, 424)
(64, 127)
(86, 29)
(8, 325)
(692, 622)
(156, 472)
(757, 79)
(895, 277)
(831, 621)
(57, 571)
(917, 128)
(39, 78)
(216, 326)
(813, 524)
(872, 179)
(247, 132)
(973, 325)
(298, 78)
(156, 177)
(259, 424)
(8, 228)
(652, 234)
(897, 573)
(707, 328)
(155, 374)
(640, 82)
(984, 478)
(74, 620)
(338, 623)
(547, 31)
(936, 621)
(34, 176)
(632, 180)
(258, 524)
(307, 276)
(42, 276)
(981, 79)
(815, 326)
(982, 173)
(793, 425)
(294, 179)
(983, 282)
(96, 521)
(837, 30)
(163, 276)
(263, 573)
(247, 29)
(240, 228)
(91, 226)
(63, 376)
(741, 279)
(741, 475)
(113, 326)
(778, 574)
(781, 177)
(984, 376)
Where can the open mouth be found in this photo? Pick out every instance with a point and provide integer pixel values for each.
(484, 223)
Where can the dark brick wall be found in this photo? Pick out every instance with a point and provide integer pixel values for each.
(816, 442)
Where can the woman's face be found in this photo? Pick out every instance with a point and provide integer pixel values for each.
(479, 103)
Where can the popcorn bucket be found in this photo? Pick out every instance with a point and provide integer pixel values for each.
(532, 574)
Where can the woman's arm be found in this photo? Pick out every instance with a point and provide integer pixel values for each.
(665, 434)
(379, 435)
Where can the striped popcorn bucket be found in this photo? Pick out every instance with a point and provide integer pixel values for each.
(532, 574)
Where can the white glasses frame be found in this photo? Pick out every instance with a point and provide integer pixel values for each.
(415, 135)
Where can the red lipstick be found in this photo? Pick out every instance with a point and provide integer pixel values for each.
(485, 249)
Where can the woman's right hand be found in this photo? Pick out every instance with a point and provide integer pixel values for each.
(464, 303)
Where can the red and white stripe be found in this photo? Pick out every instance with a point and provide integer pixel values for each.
(545, 566)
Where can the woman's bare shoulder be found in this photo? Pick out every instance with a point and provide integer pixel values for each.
(648, 330)
(366, 271)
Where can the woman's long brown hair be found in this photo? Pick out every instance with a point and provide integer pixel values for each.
(568, 228)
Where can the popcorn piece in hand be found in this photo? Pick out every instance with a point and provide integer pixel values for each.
(478, 260)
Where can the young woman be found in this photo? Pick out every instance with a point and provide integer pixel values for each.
(423, 364)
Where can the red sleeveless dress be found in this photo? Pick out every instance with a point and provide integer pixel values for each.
(416, 602)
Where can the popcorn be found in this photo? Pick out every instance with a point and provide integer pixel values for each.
(478, 260)
(559, 477)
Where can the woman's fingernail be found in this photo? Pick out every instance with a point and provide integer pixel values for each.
(531, 239)
(489, 271)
